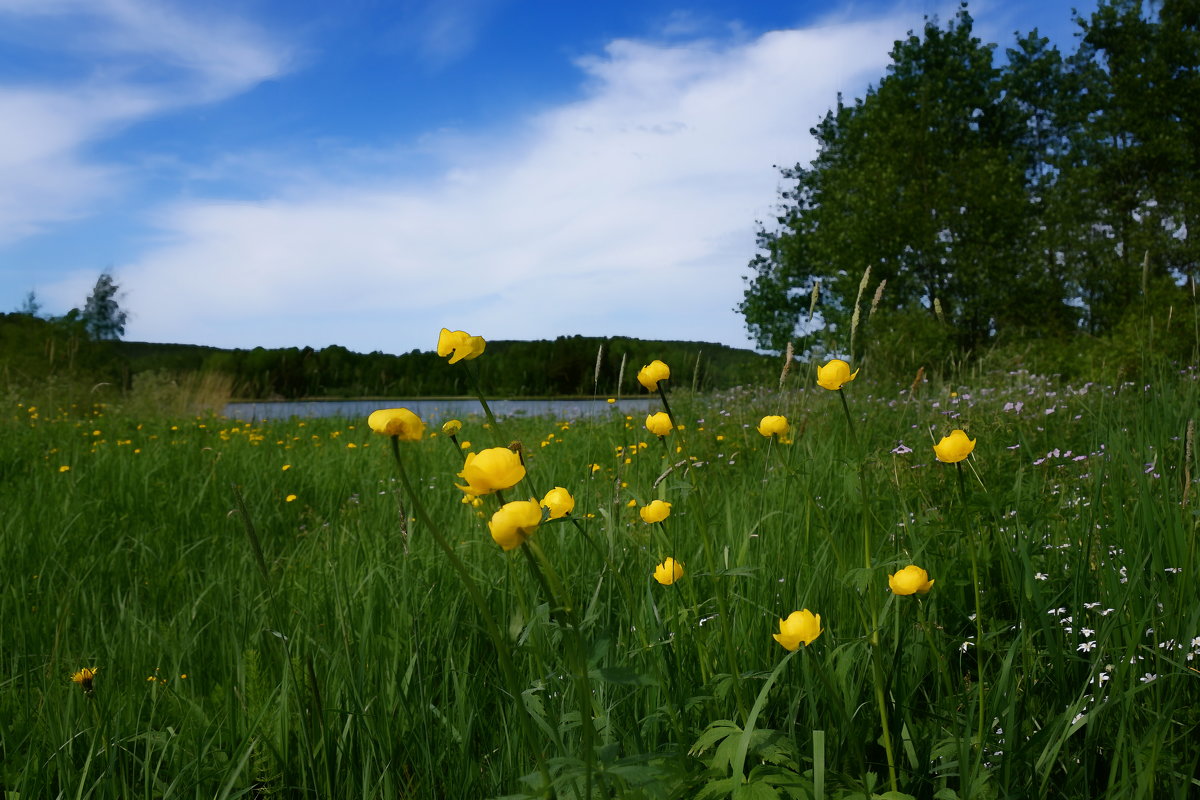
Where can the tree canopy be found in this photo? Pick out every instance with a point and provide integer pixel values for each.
(1029, 196)
(102, 315)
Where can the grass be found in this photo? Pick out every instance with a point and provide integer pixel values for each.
(272, 615)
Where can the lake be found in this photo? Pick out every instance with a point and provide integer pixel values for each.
(435, 410)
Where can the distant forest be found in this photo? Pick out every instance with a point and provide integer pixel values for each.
(33, 349)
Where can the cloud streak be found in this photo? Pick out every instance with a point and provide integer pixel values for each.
(128, 61)
(630, 211)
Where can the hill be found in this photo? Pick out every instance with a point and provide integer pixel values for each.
(34, 349)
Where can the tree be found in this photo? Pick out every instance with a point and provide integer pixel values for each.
(1027, 200)
(31, 305)
(917, 180)
(102, 316)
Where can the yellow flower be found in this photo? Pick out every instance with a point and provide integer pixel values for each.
(910, 580)
(451, 427)
(399, 422)
(559, 502)
(668, 572)
(289, 498)
(515, 522)
(954, 448)
(64, 468)
(835, 374)
(459, 345)
(659, 424)
(800, 626)
(652, 373)
(655, 512)
(84, 678)
(491, 470)
(774, 426)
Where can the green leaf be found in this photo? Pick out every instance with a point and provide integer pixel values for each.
(624, 676)
(755, 791)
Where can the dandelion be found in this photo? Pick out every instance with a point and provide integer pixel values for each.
(800, 626)
(84, 678)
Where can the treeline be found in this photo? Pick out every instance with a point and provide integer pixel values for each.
(34, 349)
(1044, 196)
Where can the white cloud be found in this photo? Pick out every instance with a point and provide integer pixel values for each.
(630, 211)
(142, 58)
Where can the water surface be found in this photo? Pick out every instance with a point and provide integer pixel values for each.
(436, 410)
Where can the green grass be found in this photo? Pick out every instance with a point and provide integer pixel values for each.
(351, 661)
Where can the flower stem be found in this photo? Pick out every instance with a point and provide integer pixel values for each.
(493, 630)
(667, 406)
(849, 420)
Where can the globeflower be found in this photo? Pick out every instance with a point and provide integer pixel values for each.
(558, 502)
(910, 580)
(659, 424)
(515, 522)
(774, 426)
(459, 345)
(668, 572)
(656, 511)
(451, 427)
(399, 422)
(491, 470)
(800, 626)
(954, 448)
(835, 375)
(652, 373)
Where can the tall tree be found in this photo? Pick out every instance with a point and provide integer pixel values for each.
(917, 180)
(30, 306)
(102, 315)
(1028, 199)
(1135, 166)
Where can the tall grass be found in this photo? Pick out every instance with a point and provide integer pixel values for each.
(270, 616)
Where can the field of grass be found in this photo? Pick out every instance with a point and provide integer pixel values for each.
(269, 613)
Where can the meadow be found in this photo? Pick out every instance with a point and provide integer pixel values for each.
(308, 608)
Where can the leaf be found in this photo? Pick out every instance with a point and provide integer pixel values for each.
(717, 789)
(625, 676)
(715, 732)
(755, 791)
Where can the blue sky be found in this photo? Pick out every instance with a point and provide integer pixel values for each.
(363, 173)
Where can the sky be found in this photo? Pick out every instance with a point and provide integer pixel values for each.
(285, 173)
